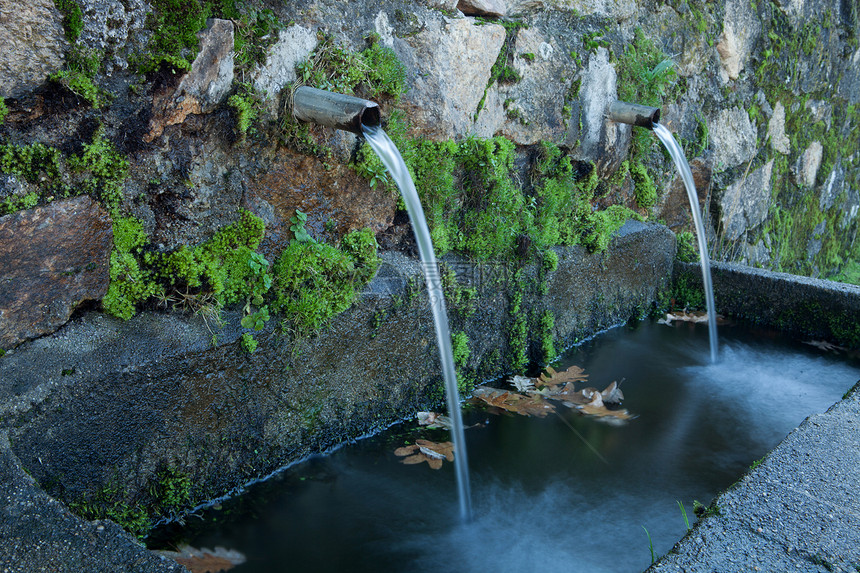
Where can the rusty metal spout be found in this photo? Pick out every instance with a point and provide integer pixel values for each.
(334, 110)
(634, 114)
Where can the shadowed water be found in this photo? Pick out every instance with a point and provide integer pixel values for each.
(543, 501)
(677, 154)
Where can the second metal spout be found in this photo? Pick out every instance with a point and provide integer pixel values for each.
(634, 114)
(334, 110)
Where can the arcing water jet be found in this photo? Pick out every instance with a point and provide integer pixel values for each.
(362, 117)
(649, 118)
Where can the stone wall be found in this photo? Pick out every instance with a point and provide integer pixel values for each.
(104, 412)
(762, 95)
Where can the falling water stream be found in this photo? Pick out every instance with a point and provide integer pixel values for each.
(393, 161)
(684, 169)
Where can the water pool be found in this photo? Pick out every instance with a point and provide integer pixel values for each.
(543, 499)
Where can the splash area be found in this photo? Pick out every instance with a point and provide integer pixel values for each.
(565, 492)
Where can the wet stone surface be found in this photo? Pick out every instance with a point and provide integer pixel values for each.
(53, 258)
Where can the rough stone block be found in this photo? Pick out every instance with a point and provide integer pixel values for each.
(52, 258)
(31, 34)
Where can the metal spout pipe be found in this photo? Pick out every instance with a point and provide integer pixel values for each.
(634, 114)
(334, 110)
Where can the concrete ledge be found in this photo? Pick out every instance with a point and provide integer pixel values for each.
(797, 305)
(798, 510)
(38, 533)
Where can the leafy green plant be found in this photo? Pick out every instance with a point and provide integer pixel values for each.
(547, 323)
(248, 342)
(73, 23)
(4, 111)
(256, 320)
(460, 348)
(31, 162)
(687, 250)
(650, 545)
(684, 514)
(170, 490)
(255, 30)
(593, 40)
(106, 167)
(110, 502)
(174, 40)
(245, 103)
(335, 68)
(645, 74)
(644, 189)
(225, 266)
(315, 281)
(502, 71)
(130, 283)
(82, 65)
(13, 204)
(300, 234)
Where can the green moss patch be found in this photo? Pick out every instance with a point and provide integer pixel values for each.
(315, 281)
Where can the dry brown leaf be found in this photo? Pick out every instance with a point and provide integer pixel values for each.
(535, 405)
(591, 402)
(436, 449)
(604, 414)
(523, 384)
(584, 396)
(426, 451)
(824, 345)
(404, 451)
(692, 316)
(435, 420)
(552, 378)
(612, 394)
(205, 560)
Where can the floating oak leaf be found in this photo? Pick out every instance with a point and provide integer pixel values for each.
(693, 316)
(205, 560)
(535, 405)
(601, 411)
(552, 378)
(612, 394)
(824, 345)
(426, 451)
(578, 397)
(435, 420)
(592, 402)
